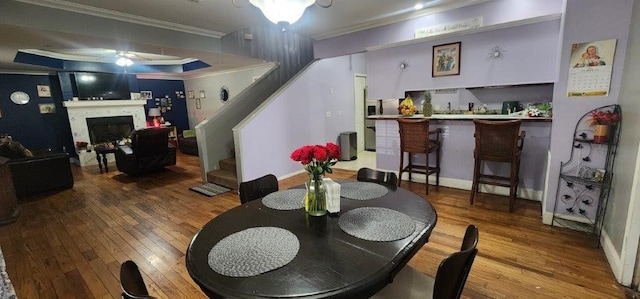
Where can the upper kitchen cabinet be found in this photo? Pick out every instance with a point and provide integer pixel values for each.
(528, 55)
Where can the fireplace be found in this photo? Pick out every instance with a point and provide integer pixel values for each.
(107, 129)
(124, 116)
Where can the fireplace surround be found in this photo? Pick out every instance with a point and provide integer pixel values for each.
(80, 111)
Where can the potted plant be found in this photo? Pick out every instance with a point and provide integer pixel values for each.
(600, 121)
(81, 146)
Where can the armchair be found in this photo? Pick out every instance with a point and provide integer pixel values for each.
(149, 151)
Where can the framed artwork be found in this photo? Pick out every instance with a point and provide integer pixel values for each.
(146, 94)
(446, 60)
(198, 104)
(47, 108)
(44, 91)
(202, 94)
(191, 94)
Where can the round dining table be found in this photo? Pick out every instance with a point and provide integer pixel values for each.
(330, 263)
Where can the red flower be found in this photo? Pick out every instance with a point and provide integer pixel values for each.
(603, 117)
(317, 159)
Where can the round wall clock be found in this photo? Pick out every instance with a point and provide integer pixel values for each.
(19, 97)
(224, 94)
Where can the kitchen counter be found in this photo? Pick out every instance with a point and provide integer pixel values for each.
(466, 117)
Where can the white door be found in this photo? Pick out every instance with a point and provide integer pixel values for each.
(360, 87)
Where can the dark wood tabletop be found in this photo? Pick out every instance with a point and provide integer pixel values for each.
(329, 263)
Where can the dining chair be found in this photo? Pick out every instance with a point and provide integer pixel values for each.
(366, 174)
(450, 278)
(257, 188)
(131, 282)
(415, 138)
(497, 141)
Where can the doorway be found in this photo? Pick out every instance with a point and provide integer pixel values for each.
(360, 95)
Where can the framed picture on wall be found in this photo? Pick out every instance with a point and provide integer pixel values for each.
(44, 91)
(146, 94)
(47, 108)
(198, 103)
(446, 60)
(191, 94)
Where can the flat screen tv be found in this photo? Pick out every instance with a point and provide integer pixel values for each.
(102, 86)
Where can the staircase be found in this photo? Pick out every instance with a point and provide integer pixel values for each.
(226, 175)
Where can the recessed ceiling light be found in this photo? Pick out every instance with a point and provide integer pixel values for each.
(418, 6)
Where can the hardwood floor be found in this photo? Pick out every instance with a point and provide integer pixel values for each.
(71, 244)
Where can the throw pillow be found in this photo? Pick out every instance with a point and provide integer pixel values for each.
(188, 133)
(14, 150)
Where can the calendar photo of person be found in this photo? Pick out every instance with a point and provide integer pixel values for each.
(590, 68)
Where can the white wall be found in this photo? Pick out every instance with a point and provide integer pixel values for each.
(235, 81)
(296, 116)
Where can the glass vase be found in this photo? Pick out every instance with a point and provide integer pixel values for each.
(315, 201)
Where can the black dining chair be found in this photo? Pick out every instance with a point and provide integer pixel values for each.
(370, 175)
(257, 188)
(450, 278)
(131, 282)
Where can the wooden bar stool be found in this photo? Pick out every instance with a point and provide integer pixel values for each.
(415, 139)
(498, 141)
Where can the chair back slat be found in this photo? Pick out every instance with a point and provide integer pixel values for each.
(370, 175)
(414, 135)
(496, 140)
(453, 271)
(257, 188)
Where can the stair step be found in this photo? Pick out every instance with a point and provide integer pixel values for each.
(228, 164)
(223, 177)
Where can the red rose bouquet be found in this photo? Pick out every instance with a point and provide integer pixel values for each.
(603, 117)
(317, 159)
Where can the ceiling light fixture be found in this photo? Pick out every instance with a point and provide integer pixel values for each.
(123, 60)
(418, 6)
(283, 12)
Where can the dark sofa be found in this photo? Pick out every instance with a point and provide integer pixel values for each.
(41, 173)
(149, 151)
(34, 174)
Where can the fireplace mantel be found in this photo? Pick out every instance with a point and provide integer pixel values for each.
(79, 111)
(105, 103)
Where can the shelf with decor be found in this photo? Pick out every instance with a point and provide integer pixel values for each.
(585, 179)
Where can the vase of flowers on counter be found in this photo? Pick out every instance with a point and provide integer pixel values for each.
(317, 160)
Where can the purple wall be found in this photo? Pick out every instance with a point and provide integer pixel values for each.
(530, 57)
(295, 116)
(493, 12)
(584, 21)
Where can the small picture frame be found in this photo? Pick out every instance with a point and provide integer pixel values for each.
(146, 94)
(191, 94)
(202, 94)
(47, 108)
(198, 103)
(446, 60)
(44, 91)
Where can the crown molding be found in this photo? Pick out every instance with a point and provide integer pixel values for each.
(399, 18)
(122, 16)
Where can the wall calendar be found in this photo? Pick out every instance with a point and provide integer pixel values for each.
(590, 69)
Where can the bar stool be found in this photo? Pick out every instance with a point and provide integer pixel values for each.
(415, 139)
(498, 141)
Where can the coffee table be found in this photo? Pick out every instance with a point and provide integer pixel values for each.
(103, 150)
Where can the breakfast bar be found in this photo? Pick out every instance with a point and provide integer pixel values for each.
(457, 150)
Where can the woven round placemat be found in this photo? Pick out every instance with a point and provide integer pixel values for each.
(362, 190)
(253, 251)
(290, 199)
(376, 224)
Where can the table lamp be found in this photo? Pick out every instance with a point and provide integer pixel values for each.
(155, 112)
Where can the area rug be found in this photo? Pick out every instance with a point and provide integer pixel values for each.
(6, 288)
(210, 189)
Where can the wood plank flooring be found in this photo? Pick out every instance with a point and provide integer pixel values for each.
(70, 244)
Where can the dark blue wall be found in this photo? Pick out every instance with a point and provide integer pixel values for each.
(161, 88)
(25, 123)
(42, 131)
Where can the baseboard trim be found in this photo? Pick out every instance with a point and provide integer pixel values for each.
(614, 259)
(525, 193)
